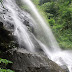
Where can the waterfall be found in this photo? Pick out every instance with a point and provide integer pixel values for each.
(40, 33)
(20, 29)
(45, 29)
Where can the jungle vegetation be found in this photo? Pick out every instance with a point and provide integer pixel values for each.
(59, 15)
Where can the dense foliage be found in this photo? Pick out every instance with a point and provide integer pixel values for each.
(3, 64)
(59, 15)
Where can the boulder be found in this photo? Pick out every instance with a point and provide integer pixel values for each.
(6, 39)
(24, 61)
(65, 68)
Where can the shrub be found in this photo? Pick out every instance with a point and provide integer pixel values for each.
(5, 62)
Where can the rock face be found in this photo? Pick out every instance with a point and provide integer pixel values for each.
(4, 37)
(24, 61)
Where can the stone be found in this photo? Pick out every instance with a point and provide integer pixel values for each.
(25, 61)
(65, 68)
(6, 38)
(1, 24)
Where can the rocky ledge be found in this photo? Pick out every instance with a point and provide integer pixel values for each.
(24, 61)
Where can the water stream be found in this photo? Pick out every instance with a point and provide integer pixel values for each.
(40, 32)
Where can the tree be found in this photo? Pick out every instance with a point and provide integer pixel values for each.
(43, 1)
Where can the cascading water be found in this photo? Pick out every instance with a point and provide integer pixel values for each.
(42, 33)
(56, 54)
(20, 29)
(46, 29)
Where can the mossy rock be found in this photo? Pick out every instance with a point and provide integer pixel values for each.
(6, 39)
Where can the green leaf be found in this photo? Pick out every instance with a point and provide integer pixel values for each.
(5, 61)
(6, 70)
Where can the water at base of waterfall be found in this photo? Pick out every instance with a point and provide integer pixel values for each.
(34, 32)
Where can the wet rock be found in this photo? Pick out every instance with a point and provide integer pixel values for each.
(24, 61)
(6, 39)
(65, 68)
(26, 23)
(4, 34)
(9, 26)
(29, 26)
(1, 24)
